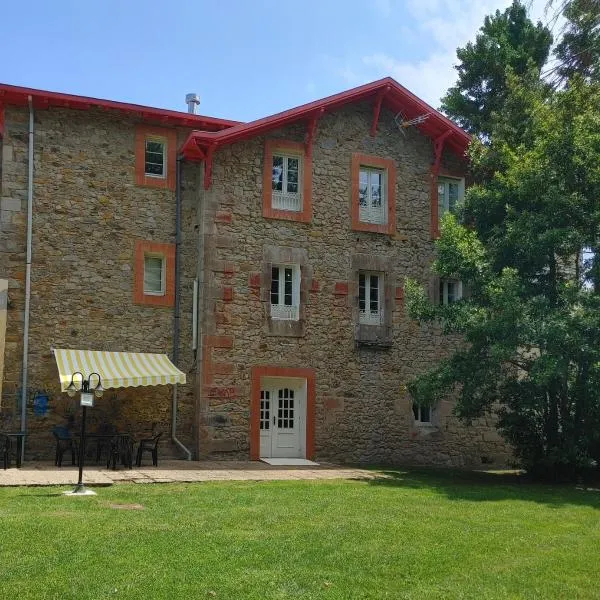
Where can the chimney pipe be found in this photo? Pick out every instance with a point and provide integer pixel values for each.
(193, 101)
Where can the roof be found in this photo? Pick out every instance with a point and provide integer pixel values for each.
(394, 96)
(41, 99)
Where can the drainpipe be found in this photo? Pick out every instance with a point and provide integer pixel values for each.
(23, 422)
(177, 303)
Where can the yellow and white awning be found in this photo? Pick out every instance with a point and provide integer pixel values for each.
(117, 369)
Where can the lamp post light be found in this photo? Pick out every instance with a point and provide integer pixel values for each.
(88, 391)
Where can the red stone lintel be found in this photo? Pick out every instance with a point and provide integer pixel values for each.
(341, 288)
(223, 266)
(223, 216)
(214, 391)
(254, 280)
(221, 368)
(219, 341)
(399, 296)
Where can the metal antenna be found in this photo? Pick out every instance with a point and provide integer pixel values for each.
(404, 123)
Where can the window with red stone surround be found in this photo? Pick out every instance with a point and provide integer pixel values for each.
(169, 138)
(388, 165)
(167, 252)
(288, 149)
(268, 371)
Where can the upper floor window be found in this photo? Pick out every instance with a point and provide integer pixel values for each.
(285, 292)
(450, 291)
(371, 196)
(155, 156)
(422, 414)
(287, 181)
(370, 298)
(286, 191)
(154, 159)
(154, 274)
(450, 193)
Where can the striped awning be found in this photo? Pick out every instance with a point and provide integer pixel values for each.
(117, 369)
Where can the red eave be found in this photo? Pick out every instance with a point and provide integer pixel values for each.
(41, 99)
(396, 97)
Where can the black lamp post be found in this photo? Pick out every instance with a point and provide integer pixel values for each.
(88, 391)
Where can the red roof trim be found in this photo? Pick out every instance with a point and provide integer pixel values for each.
(19, 96)
(397, 98)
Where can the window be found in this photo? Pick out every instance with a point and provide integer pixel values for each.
(450, 291)
(370, 298)
(285, 292)
(154, 160)
(154, 275)
(371, 196)
(155, 156)
(450, 192)
(286, 191)
(287, 181)
(422, 413)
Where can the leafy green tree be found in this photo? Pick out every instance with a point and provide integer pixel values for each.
(578, 52)
(531, 323)
(507, 41)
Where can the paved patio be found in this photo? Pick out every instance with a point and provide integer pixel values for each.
(168, 471)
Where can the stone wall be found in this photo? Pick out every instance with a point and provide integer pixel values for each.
(88, 213)
(363, 413)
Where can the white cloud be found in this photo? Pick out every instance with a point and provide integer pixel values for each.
(446, 25)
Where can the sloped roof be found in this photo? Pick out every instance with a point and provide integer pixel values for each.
(394, 96)
(41, 99)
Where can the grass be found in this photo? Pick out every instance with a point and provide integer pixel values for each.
(414, 535)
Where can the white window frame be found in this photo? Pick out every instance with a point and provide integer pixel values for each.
(444, 200)
(284, 200)
(418, 409)
(369, 214)
(443, 291)
(282, 311)
(367, 316)
(163, 275)
(160, 140)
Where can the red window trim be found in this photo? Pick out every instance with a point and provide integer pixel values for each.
(142, 133)
(266, 371)
(389, 165)
(305, 215)
(143, 247)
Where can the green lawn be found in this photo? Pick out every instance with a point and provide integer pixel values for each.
(417, 535)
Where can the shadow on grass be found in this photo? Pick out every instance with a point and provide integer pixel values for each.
(485, 486)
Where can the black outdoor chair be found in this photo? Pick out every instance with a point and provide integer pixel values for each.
(5, 450)
(104, 443)
(148, 445)
(120, 449)
(64, 443)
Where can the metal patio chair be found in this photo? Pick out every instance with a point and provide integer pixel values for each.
(148, 445)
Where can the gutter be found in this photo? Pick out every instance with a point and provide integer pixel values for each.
(176, 319)
(23, 421)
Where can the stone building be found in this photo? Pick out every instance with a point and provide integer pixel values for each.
(266, 258)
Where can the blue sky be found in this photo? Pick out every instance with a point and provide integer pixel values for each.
(246, 59)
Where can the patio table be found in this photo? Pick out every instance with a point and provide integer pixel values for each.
(118, 443)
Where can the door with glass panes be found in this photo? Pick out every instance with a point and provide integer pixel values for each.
(282, 419)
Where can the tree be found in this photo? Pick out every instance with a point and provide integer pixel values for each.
(507, 41)
(578, 52)
(532, 321)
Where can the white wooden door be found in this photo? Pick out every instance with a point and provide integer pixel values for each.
(281, 421)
